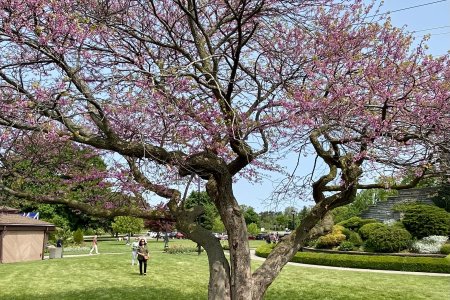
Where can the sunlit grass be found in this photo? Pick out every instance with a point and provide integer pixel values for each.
(185, 276)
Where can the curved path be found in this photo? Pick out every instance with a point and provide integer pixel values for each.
(254, 257)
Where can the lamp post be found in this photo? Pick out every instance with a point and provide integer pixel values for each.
(293, 220)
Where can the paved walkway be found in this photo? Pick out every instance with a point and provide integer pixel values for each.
(254, 257)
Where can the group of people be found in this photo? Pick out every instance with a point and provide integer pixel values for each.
(139, 252)
(272, 238)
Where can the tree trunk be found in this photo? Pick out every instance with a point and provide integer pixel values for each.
(230, 212)
(219, 286)
(285, 251)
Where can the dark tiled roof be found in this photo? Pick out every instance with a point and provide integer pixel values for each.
(6, 209)
(13, 219)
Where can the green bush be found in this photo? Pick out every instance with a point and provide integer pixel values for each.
(337, 229)
(332, 239)
(387, 240)
(398, 263)
(355, 239)
(78, 236)
(442, 198)
(399, 224)
(263, 250)
(367, 229)
(426, 220)
(445, 249)
(354, 223)
(347, 232)
(90, 231)
(180, 249)
(346, 246)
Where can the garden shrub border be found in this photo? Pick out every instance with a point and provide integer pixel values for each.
(378, 262)
(177, 249)
(431, 255)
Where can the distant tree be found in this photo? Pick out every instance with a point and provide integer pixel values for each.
(129, 225)
(202, 199)
(283, 221)
(268, 219)
(303, 213)
(218, 225)
(67, 170)
(253, 228)
(250, 215)
(160, 225)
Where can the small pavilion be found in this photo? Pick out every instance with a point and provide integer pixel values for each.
(22, 238)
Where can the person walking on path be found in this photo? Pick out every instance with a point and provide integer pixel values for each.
(143, 255)
(94, 245)
(134, 250)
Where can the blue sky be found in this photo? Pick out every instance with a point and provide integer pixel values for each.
(430, 17)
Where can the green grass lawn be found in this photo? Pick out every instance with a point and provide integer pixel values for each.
(185, 276)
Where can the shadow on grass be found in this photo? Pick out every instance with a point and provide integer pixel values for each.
(141, 291)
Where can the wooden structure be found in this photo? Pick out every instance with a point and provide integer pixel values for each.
(22, 238)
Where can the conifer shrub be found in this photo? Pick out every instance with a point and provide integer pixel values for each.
(442, 198)
(347, 232)
(426, 220)
(354, 223)
(355, 239)
(332, 239)
(367, 229)
(78, 236)
(346, 246)
(388, 240)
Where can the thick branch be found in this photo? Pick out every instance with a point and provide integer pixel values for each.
(85, 207)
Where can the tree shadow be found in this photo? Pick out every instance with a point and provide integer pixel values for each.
(140, 291)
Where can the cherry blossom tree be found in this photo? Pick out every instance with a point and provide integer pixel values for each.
(217, 90)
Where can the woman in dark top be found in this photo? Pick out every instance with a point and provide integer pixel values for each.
(142, 256)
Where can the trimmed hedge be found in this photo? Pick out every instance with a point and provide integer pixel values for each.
(181, 249)
(396, 263)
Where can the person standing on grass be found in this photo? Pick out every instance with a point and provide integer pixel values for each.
(94, 245)
(134, 250)
(143, 256)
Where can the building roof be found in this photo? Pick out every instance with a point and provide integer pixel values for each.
(8, 210)
(18, 220)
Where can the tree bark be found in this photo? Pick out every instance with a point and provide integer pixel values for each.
(219, 268)
(240, 273)
(284, 252)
